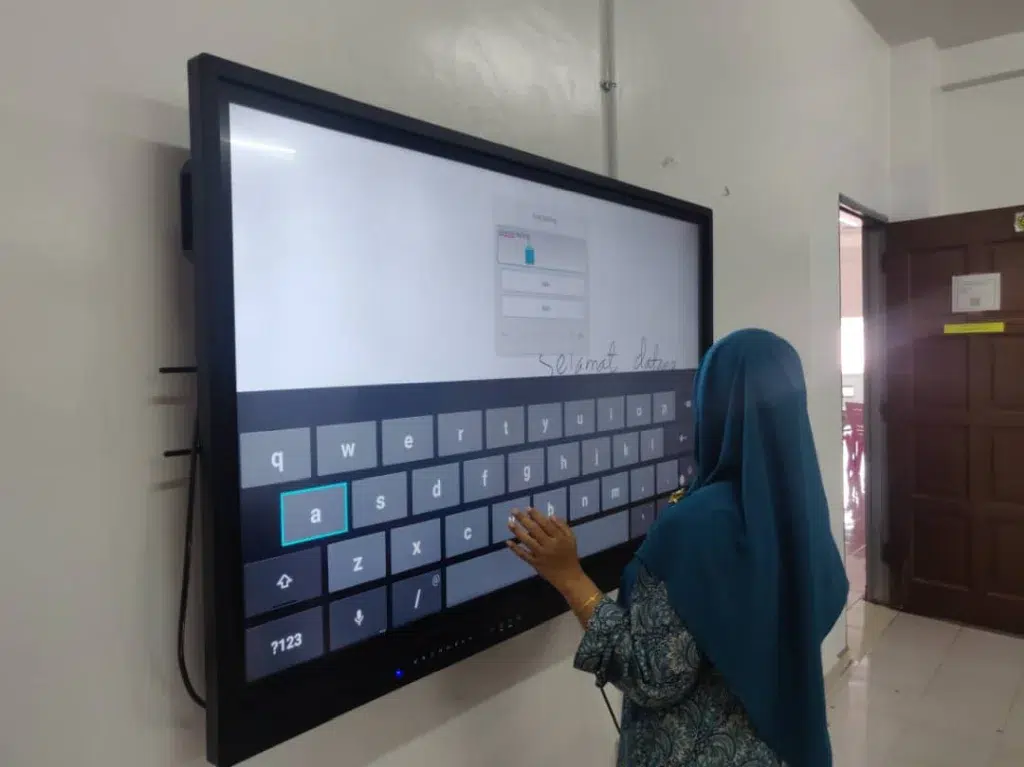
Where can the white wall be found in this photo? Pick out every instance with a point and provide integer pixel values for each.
(916, 137)
(788, 110)
(983, 159)
(787, 106)
(957, 126)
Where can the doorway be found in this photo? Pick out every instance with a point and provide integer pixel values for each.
(862, 234)
(851, 284)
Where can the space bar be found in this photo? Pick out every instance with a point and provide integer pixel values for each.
(482, 575)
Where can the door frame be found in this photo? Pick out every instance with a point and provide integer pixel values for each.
(879, 588)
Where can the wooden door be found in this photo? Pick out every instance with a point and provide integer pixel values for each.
(954, 413)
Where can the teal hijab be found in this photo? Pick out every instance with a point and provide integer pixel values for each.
(747, 556)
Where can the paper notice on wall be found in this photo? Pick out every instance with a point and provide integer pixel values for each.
(977, 292)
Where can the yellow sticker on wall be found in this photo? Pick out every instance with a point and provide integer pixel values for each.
(964, 328)
(1018, 222)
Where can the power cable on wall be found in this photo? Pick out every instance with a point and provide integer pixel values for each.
(186, 567)
(609, 115)
(609, 103)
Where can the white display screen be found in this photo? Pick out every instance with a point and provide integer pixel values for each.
(412, 268)
(421, 346)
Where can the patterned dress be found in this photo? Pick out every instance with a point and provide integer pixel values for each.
(677, 709)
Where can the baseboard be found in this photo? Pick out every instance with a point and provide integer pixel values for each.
(843, 662)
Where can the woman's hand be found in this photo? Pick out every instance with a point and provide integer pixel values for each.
(548, 545)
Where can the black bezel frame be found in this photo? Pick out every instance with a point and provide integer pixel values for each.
(245, 718)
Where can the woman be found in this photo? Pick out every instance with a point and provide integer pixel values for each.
(715, 641)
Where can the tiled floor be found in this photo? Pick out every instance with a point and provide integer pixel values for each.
(922, 693)
(857, 574)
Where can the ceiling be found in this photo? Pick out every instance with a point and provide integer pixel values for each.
(948, 22)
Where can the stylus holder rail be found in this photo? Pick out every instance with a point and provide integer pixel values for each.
(177, 370)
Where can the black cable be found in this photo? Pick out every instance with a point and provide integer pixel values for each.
(611, 711)
(186, 567)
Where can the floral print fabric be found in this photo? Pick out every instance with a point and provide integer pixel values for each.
(677, 710)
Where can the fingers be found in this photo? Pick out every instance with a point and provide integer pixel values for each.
(534, 523)
(522, 533)
(534, 533)
(544, 522)
(520, 551)
(558, 525)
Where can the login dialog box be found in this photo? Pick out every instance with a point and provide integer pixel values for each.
(542, 293)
